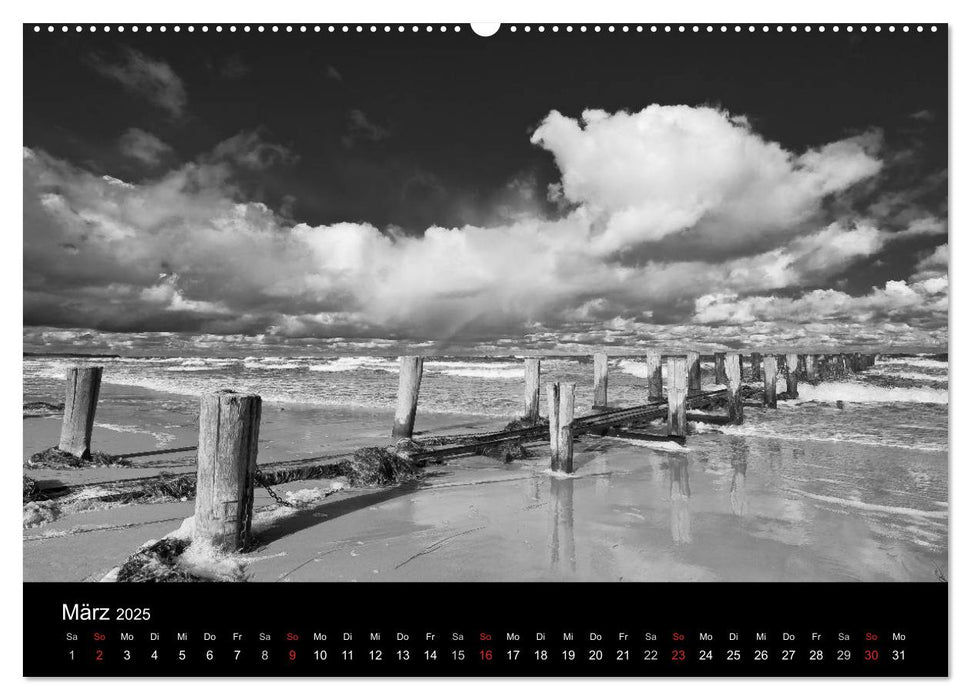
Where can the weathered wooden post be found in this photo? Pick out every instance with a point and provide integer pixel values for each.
(532, 389)
(229, 430)
(694, 371)
(768, 379)
(810, 364)
(792, 372)
(733, 378)
(655, 386)
(756, 366)
(677, 393)
(720, 376)
(600, 380)
(409, 381)
(80, 402)
(560, 398)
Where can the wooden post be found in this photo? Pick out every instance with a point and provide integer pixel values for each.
(768, 378)
(600, 380)
(694, 371)
(409, 381)
(720, 376)
(655, 386)
(532, 389)
(792, 372)
(756, 366)
(677, 393)
(560, 398)
(80, 402)
(229, 430)
(810, 363)
(733, 378)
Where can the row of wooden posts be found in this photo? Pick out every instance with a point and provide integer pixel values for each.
(229, 422)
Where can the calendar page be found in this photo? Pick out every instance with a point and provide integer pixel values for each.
(485, 350)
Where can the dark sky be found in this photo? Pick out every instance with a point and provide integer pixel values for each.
(402, 132)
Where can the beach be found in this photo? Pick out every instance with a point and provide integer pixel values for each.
(848, 482)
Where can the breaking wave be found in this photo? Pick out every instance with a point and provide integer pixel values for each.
(856, 392)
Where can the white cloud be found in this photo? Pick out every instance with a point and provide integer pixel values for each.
(896, 298)
(667, 169)
(181, 251)
(143, 146)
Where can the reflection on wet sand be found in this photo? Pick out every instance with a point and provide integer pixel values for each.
(680, 491)
(563, 556)
(739, 461)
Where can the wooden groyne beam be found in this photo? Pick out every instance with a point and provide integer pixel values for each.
(592, 423)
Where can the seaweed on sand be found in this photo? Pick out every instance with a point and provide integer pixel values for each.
(168, 487)
(369, 466)
(506, 451)
(42, 409)
(31, 490)
(53, 458)
(159, 562)
(378, 466)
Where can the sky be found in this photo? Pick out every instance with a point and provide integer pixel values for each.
(523, 192)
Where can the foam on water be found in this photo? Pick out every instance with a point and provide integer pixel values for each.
(858, 392)
(914, 361)
(353, 364)
(876, 507)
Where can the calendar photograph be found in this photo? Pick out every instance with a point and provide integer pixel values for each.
(563, 304)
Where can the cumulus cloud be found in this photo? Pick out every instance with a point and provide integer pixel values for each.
(143, 146)
(897, 299)
(150, 78)
(695, 170)
(186, 252)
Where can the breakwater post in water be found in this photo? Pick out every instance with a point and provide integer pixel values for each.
(560, 398)
(720, 376)
(409, 382)
(810, 365)
(80, 402)
(229, 430)
(792, 372)
(756, 360)
(531, 398)
(694, 372)
(733, 376)
(655, 387)
(600, 380)
(768, 380)
(677, 393)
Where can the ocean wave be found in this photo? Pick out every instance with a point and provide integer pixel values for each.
(856, 392)
(913, 376)
(476, 370)
(351, 364)
(635, 368)
(913, 361)
(763, 431)
(272, 365)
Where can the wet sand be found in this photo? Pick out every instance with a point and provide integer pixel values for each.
(727, 507)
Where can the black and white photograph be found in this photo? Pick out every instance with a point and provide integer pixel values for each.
(404, 303)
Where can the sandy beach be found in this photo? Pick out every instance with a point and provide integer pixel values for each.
(731, 506)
